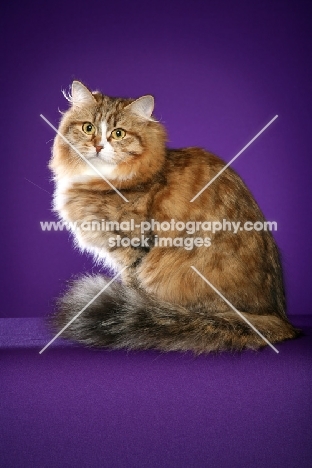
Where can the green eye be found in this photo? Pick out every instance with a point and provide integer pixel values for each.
(88, 128)
(118, 134)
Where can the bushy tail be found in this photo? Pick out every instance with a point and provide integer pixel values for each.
(122, 317)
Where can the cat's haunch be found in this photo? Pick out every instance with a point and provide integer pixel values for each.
(114, 174)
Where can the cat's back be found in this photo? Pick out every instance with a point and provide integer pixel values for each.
(188, 170)
(192, 158)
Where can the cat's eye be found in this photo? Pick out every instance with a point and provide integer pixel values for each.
(88, 128)
(118, 134)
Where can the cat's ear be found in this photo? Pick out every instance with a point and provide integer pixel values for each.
(143, 106)
(81, 95)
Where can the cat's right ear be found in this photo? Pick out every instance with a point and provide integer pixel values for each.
(81, 95)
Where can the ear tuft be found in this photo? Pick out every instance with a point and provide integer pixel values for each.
(80, 94)
(142, 106)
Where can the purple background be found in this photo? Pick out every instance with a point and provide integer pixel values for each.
(219, 71)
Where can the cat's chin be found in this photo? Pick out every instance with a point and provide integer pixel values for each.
(98, 159)
(106, 168)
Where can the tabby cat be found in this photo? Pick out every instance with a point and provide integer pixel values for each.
(113, 169)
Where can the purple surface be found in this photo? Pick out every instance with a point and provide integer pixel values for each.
(78, 407)
(27, 332)
(219, 71)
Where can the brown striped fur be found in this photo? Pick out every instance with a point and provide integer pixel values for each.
(162, 303)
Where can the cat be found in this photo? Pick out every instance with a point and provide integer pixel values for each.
(159, 301)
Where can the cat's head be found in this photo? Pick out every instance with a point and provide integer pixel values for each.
(119, 137)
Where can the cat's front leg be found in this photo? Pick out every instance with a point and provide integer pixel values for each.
(104, 225)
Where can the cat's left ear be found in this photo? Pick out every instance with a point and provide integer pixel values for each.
(81, 95)
(142, 107)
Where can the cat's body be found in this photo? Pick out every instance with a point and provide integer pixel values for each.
(162, 303)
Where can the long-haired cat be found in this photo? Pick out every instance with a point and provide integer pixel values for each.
(161, 302)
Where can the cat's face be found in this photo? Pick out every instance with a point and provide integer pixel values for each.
(115, 136)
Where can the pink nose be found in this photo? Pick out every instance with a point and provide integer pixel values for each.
(99, 148)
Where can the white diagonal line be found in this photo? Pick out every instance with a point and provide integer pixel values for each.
(235, 310)
(83, 309)
(235, 157)
(37, 185)
(85, 159)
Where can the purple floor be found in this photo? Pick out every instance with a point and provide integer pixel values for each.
(74, 407)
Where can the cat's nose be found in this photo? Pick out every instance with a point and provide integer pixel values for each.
(99, 148)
